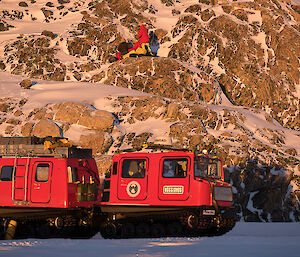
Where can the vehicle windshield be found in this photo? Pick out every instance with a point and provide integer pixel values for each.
(207, 167)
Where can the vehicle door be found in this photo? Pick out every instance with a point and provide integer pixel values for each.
(41, 182)
(174, 178)
(133, 179)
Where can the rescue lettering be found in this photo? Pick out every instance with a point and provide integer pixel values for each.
(173, 190)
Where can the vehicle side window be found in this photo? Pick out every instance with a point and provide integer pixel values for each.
(133, 168)
(206, 167)
(115, 168)
(42, 172)
(6, 173)
(175, 168)
(72, 174)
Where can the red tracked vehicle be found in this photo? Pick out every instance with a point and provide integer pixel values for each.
(173, 193)
(47, 187)
(51, 189)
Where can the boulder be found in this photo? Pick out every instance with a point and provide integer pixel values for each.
(63, 1)
(104, 162)
(26, 83)
(23, 4)
(82, 114)
(47, 13)
(4, 107)
(48, 33)
(3, 26)
(2, 64)
(18, 113)
(46, 128)
(49, 4)
(97, 122)
(26, 129)
(172, 111)
(96, 140)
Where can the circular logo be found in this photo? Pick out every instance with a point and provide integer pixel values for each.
(133, 189)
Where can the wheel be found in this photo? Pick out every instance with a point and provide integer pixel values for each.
(25, 231)
(192, 221)
(142, 230)
(174, 229)
(157, 230)
(83, 232)
(128, 230)
(3, 224)
(43, 231)
(109, 230)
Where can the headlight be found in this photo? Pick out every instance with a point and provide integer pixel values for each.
(223, 193)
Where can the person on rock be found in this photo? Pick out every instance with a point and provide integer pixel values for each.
(141, 46)
(123, 49)
(154, 43)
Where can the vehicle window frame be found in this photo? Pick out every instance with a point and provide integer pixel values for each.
(11, 175)
(185, 172)
(73, 174)
(125, 173)
(36, 173)
(205, 175)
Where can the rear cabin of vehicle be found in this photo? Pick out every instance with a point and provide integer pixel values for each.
(55, 184)
(45, 182)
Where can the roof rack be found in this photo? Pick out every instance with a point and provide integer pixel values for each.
(23, 140)
(154, 146)
(41, 147)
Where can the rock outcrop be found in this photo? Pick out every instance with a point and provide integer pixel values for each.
(241, 45)
(84, 115)
(45, 128)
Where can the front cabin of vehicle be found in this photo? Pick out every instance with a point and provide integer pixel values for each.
(172, 179)
(160, 189)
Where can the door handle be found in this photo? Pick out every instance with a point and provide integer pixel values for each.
(36, 186)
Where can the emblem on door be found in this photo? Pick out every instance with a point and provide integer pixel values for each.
(133, 189)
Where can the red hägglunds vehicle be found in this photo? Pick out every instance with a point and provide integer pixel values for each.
(173, 193)
(47, 187)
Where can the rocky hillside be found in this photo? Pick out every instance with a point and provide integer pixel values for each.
(261, 35)
(226, 78)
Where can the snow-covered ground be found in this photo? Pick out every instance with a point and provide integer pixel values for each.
(245, 240)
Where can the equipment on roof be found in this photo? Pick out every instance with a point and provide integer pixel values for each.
(48, 146)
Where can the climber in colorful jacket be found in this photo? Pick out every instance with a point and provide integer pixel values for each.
(143, 36)
(142, 45)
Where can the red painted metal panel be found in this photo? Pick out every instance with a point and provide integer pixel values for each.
(52, 191)
(136, 187)
(162, 191)
(41, 184)
(174, 188)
